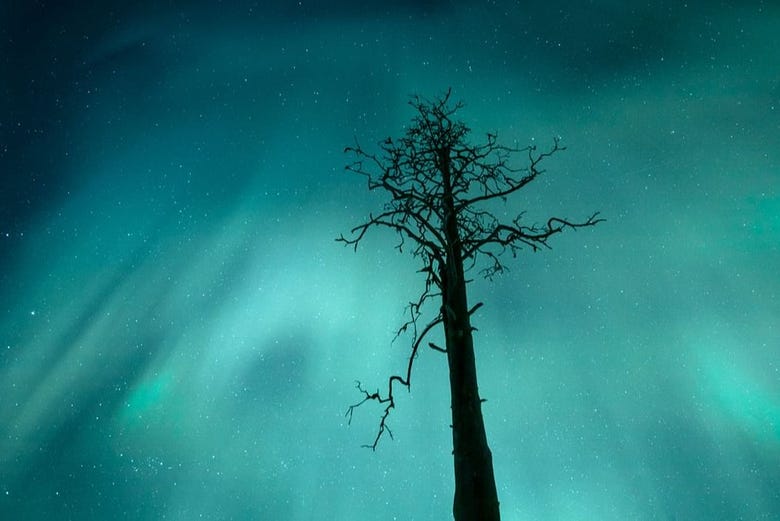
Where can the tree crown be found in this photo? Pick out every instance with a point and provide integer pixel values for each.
(432, 165)
(439, 190)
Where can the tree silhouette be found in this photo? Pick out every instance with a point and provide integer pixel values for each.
(439, 188)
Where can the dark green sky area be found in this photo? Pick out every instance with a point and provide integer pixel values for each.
(180, 334)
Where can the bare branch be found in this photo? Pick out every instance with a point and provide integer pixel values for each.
(401, 228)
(436, 348)
(389, 398)
(506, 185)
(514, 235)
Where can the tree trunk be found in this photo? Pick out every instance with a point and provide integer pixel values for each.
(476, 498)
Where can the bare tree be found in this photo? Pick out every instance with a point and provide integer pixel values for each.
(439, 187)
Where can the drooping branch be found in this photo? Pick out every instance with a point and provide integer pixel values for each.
(389, 398)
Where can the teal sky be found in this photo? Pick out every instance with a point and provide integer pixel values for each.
(180, 333)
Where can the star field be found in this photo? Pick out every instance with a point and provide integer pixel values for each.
(180, 333)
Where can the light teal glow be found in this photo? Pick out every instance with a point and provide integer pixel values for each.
(146, 396)
(741, 398)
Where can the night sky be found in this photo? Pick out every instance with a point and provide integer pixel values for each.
(180, 334)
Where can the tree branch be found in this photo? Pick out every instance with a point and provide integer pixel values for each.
(389, 399)
(511, 185)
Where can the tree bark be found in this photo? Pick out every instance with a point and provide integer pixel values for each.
(476, 498)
